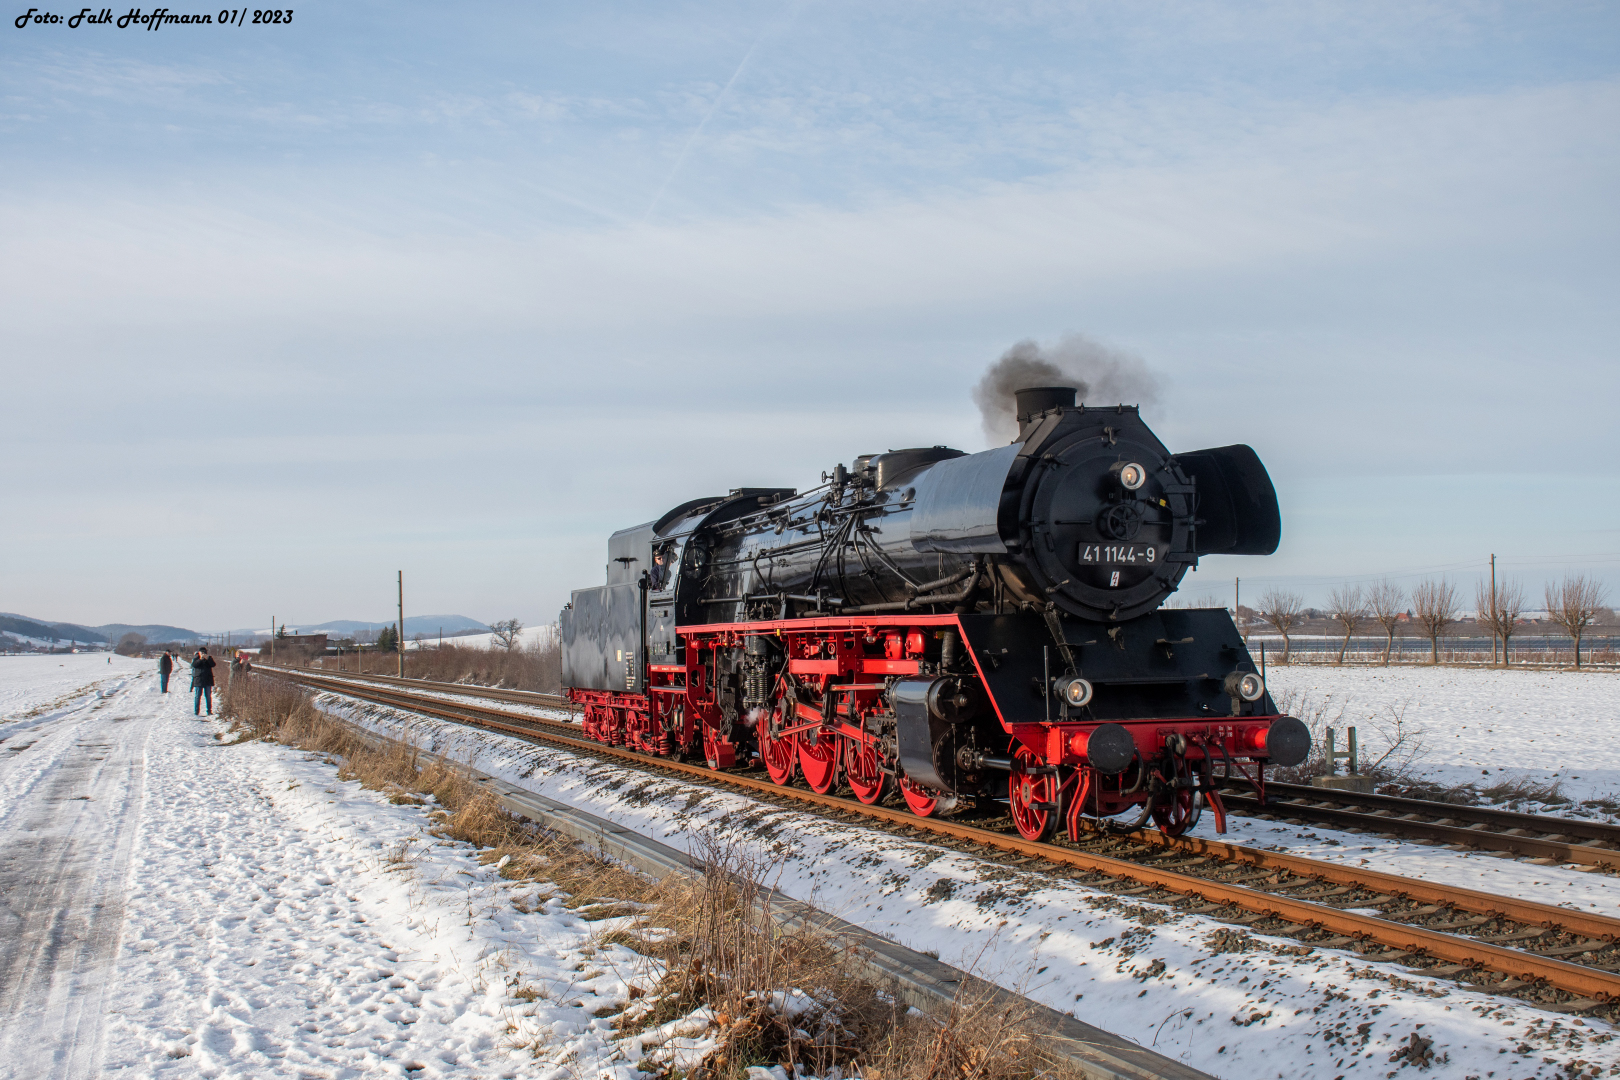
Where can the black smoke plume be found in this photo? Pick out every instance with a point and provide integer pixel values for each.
(1102, 375)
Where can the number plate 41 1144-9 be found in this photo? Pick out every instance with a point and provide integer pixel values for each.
(1121, 554)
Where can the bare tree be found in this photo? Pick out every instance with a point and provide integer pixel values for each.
(132, 643)
(1283, 610)
(1384, 602)
(1499, 611)
(1347, 608)
(1434, 602)
(1575, 605)
(506, 633)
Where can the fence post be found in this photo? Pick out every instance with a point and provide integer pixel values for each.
(1349, 755)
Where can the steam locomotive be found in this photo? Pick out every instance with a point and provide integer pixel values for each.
(942, 625)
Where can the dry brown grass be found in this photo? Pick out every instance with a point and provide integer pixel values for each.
(794, 995)
(779, 995)
(536, 667)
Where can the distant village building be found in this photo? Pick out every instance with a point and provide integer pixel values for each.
(317, 641)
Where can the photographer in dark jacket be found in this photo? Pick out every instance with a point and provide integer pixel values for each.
(165, 669)
(202, 681)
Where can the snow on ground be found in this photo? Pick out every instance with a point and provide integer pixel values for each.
(1479, 725)
(33, 681)
(1168, 980)
(174, 906)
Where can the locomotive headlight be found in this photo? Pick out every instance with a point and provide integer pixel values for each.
(1246, 685)
(1074, 691)
(1130, 474)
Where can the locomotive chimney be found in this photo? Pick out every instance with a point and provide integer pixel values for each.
(1034, 400)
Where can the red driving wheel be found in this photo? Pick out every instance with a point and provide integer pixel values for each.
(1033, 796)
(779, 751)
(819, 759)
(924, 802)
(866, 779)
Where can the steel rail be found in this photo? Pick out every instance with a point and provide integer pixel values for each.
(494, 693)
(1590, 984)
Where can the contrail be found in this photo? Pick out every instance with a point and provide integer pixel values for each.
(697, 131)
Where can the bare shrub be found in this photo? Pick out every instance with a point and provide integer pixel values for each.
(978, 1037)
(1390, 745)
(726, 950)
(1434, 602)
(1403, 745)
(1283, 610)
(1384, 602)
(1348, 609)
(1575, 604)
(1498, 610)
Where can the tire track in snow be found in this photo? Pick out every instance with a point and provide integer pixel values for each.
(64, 857)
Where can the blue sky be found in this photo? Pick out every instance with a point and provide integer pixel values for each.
(459, 291)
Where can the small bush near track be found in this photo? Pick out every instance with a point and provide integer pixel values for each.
(779, 996)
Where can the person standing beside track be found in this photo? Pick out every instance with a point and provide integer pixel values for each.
(202, 681)
(165, 669)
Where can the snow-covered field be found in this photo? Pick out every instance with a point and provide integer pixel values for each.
(174, 906)
(1160, 977)
(529, 637)
(1478, 725)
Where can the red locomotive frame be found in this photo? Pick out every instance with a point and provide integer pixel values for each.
(845, 665)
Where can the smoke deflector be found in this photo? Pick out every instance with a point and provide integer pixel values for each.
(1237, 505)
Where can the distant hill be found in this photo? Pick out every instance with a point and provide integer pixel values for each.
(23, 626)
(431, 625)
(156, 633)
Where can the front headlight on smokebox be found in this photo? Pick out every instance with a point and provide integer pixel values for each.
(1073, 691)
(1130, 475)
(1246, 685)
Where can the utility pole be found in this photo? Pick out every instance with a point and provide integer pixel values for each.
(1237, 599)
(402, 624)
(273, 639)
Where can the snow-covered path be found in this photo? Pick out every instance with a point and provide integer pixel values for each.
(176, 906)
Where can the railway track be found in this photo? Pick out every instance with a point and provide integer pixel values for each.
(1527, 836)
(1554, 957)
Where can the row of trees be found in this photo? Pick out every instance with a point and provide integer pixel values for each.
(1436, 605)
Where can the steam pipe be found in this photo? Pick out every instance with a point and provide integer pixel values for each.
(944, 581)
(920, 601)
